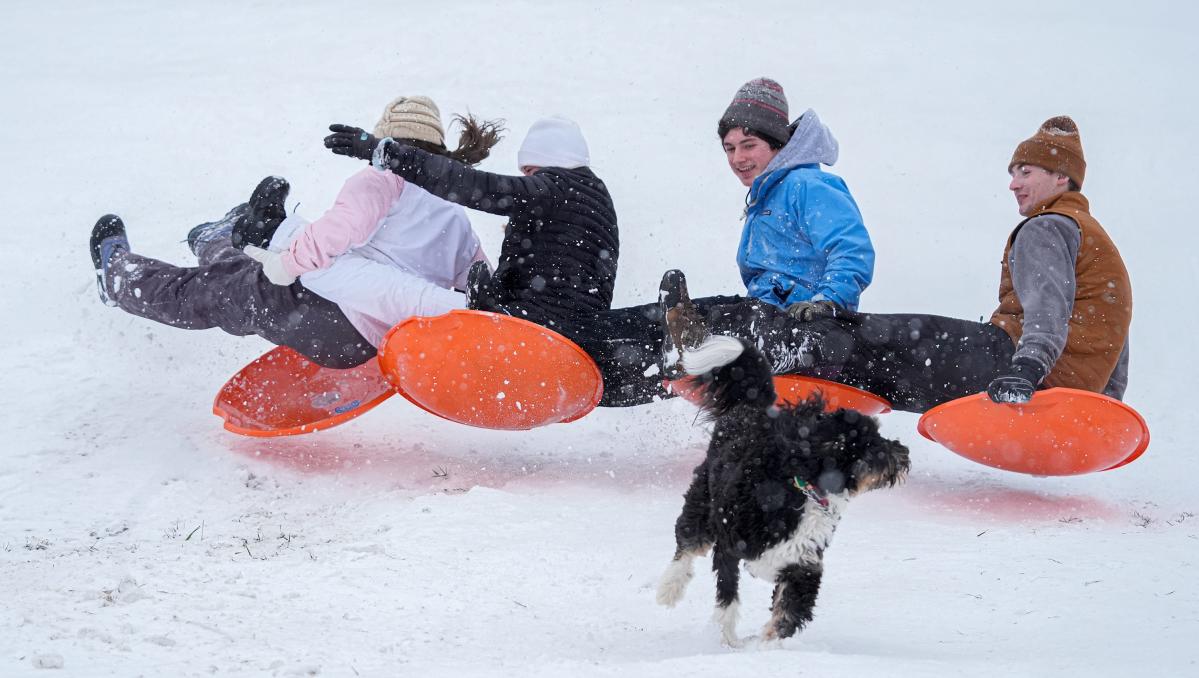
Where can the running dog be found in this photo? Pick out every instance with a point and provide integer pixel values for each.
(774, 485)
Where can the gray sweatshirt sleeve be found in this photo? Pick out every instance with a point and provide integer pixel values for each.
(1041, 262)
(1119, 380)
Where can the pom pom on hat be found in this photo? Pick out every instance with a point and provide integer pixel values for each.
(1056, 146)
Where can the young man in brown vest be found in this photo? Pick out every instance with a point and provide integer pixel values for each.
(1064, 293)
(1065, 305)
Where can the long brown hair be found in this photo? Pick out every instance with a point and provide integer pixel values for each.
(474, 143)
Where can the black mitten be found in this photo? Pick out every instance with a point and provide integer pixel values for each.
(1018, 384)
(352, 141)
(808, 311)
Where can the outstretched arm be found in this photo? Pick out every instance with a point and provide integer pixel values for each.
(443, 177)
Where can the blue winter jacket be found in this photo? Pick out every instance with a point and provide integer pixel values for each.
(804, 238)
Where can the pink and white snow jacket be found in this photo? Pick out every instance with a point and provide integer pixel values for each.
(387, 250)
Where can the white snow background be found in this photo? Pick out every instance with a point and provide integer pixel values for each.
(137, 537)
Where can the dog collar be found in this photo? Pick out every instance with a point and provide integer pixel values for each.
(814, 493)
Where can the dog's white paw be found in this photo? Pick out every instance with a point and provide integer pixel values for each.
(733, 641)
(670, 593)
(674, 582)
(727, 618)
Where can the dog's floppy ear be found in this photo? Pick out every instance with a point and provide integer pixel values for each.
(894, 448)
(897, 458)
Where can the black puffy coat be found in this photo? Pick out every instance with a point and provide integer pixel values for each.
(561, 242)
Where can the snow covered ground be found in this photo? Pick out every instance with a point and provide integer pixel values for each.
(139, 538)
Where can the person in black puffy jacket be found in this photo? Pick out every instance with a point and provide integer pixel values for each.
(561, 242)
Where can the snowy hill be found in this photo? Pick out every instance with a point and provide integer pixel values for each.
(139, 538)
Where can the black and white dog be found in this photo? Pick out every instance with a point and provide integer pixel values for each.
(773, 486)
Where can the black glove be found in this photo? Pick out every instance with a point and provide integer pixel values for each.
(1018, 385)
(807, 311)
(352, 141)
(479, 296)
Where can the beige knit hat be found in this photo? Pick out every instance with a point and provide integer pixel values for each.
(412, 118)
(1056, 147)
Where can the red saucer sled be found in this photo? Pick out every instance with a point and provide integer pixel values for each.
(1060, 432)
(491, 371)
(793, 388)
(283, 393)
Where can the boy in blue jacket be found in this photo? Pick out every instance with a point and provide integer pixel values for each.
(804, 246)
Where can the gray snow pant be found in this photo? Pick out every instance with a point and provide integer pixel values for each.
(229, 291)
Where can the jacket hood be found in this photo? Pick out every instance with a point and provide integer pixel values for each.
(810, 143)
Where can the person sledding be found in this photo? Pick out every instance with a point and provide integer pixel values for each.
(804, 246)
(329, 289)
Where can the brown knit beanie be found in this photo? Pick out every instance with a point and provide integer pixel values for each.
(412, 118)
(1056, 147)
(760, 105)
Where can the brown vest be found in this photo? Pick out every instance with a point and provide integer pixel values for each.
(1102, 301)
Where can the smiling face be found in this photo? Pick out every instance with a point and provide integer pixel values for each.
(748, 155)
(1035, 186)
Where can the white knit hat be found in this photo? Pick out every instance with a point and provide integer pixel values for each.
(412, 118)
(554, 142)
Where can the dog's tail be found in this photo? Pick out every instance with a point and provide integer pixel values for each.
(731, 372)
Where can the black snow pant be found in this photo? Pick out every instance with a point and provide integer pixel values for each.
(229, 291)
(915, 361)
(626, 344)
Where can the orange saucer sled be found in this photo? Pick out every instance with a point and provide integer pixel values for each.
(283, 393)
(792, 389)
(1060, 432)
(489, 370)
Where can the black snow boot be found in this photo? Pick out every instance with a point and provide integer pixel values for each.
(265, 213)
(215, 229)
(108, 239)
(683, 327)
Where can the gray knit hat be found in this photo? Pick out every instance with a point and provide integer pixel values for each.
(412, 118)
(760, 105)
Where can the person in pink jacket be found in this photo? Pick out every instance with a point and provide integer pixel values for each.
(330, 289)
